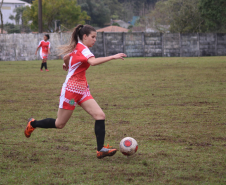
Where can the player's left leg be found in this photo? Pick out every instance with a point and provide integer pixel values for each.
(63, 116)
(64, 113)
(92, 108)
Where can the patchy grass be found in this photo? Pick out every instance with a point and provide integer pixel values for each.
(174, 108)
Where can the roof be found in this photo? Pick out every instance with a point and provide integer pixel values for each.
(16, 2)
(113, 29)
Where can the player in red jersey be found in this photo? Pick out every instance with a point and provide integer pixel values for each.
(75, 89)
(44, 51)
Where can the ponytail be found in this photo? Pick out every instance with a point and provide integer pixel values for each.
(77, 33)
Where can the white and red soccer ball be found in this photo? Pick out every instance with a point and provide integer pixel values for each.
(128, 146)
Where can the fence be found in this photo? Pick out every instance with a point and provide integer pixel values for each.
(22, 46)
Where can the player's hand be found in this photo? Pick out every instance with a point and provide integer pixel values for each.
(35, 53)
(65, 67)
(119, 56)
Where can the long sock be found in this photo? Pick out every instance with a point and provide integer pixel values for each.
(42, 65)
(45, 64)
(100, 133)
(45, 123)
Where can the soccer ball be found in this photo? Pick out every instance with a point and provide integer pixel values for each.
(128, 146)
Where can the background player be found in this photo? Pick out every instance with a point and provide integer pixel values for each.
(44, 51)
(75, 89)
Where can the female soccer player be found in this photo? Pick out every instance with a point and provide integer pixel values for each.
(75, 89)
(44, 51)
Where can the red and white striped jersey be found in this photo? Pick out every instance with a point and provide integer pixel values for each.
(76, 78)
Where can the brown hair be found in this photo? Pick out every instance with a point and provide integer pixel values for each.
(78, 32)
(48, 37)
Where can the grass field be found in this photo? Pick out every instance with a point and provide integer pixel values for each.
(174, 107)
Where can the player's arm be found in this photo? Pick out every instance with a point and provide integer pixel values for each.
(37, 50)
(96, 61)
(66, 62)
(40, 44)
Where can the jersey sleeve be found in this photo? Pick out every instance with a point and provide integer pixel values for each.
(40, 44)
(87, 53)
(49, 45)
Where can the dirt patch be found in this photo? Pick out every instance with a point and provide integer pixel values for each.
(191, 178)
(204, 103)
(60, 140)
(219, 138)
(159, 154)
(159, 137)
(64, 148)
(124, 122)
(200, 144)
(11, 154)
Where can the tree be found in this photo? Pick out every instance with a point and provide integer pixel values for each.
(181, 15)
(66, 11)
(2, 26)
(97, 10)
(214, 14)
(116, 9)
(19, 19)
(115, 24)
(101, 11)
(138, 7)
(19, 14)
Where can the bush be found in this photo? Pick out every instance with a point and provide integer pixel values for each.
(115, 24)
(12, 28)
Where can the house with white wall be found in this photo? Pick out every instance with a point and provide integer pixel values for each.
(8, 7)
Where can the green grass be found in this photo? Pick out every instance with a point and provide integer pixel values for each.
(174, 108)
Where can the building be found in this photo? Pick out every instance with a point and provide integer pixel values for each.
(121, 23)
(113, 29)
(8, 7)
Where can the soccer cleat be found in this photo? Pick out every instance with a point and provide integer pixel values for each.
(47, 70)
(41, 70)
(29, 129)
(106, 151)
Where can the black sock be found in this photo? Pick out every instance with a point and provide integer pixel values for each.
(45, 64)
(45, 123)
(42, 65)
(100, 133)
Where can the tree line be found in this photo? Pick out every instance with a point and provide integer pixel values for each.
(181, 16)
(69, 13)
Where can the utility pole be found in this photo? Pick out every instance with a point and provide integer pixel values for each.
(40, 16)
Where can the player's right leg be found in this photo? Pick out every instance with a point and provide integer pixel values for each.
(42, 65)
